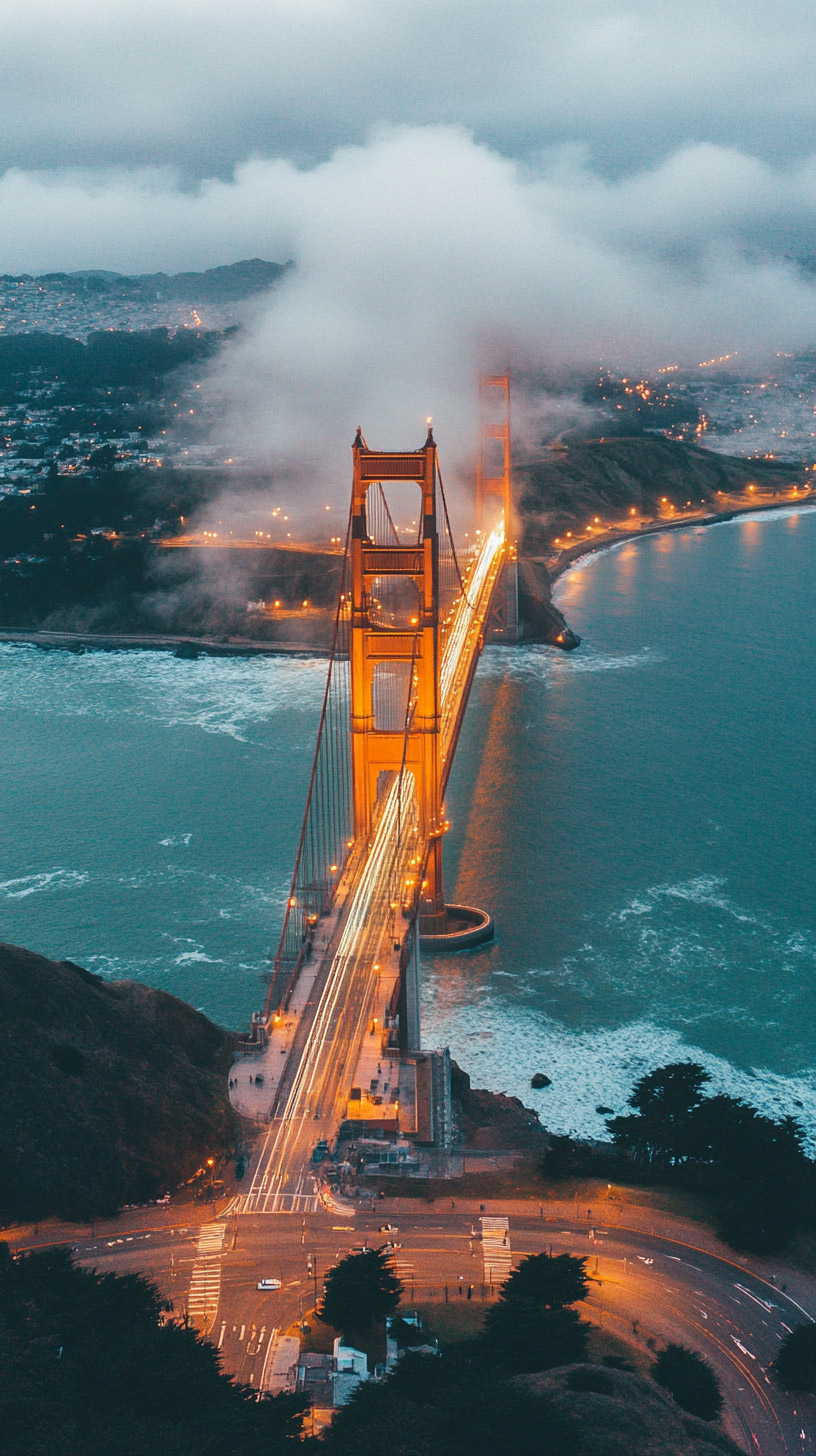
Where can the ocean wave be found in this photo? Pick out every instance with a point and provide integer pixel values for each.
(173, 841)
(592, 1068)
(236, 697)
(59, 879)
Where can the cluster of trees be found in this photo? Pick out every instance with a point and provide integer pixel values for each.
(90, 1364)
(88, 1367)
(461, 1402)
(465, 1402)
(795, 1365)
(110, 357)
(754, 1166)
(532, 1326)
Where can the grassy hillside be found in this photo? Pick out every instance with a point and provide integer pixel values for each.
(110, 1093)
(607, 478)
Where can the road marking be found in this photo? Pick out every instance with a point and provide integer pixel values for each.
(223, 1332)
(763, 1303)
(496, 1256)
(205, 1279)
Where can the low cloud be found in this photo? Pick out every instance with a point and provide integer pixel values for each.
(423, 255)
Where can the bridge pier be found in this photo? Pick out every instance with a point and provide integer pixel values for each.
(444, 927)
(503, 622)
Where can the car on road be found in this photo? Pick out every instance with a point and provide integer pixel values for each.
(388, 1228)
(391, 1245)
(267, 1284)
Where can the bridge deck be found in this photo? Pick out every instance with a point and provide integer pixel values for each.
(339, 991)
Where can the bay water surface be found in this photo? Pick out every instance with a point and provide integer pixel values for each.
(638, 816)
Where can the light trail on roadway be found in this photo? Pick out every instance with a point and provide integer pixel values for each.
(311, 1107)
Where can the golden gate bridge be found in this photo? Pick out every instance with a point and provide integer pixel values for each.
(367, 890)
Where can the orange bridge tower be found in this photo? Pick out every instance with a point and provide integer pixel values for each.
(494, 498)
(395, 653)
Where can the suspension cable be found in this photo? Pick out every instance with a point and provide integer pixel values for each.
(450, 536)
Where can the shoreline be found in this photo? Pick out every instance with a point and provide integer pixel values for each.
(113, 642)
(617, 538)
(555, 568)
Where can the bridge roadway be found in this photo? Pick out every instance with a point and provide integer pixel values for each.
(313, 1090)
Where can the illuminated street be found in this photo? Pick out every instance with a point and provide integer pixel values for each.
(655, 1283)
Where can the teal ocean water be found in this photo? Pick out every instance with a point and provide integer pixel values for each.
(638, 816)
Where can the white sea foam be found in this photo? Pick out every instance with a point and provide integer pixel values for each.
(597, 1067)
(550, 664)
(174, 841)
(197, 957)
(236, 697)
(36, 884)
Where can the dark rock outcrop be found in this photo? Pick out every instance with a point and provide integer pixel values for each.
(492, 1119)
(540, 618)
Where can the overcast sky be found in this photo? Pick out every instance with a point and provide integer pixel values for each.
(458, 182)
(204, 85)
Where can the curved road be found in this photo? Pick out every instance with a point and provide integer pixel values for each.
(647, 1288)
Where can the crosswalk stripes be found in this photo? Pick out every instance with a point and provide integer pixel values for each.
(205, 1280)
(278, 1203)
(498, 1260)
(210, 1239)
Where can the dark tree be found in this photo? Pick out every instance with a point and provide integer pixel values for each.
(664, 1102)
(563, 1156)
(522, 1336)
(795, 1365)
(360, 1289)
(449, 1405)
(551, 1281)
(690, 1380)
(765, 1180)
(88, 1367)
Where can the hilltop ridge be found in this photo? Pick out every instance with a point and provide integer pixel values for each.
(111, 1092)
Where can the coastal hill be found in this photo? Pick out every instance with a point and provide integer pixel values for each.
(111, 1092)
(607, 1412)
(569, 485)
